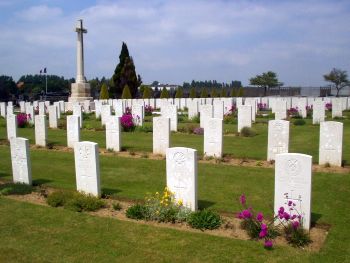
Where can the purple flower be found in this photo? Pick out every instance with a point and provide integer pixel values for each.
(290, 203)
(295, 224)
(242, 199)
(281, 210)
(263, 227)
(262, 233)
(260, 217)
(286, 216)
(268, 244)
(246, 213)
(240, 216)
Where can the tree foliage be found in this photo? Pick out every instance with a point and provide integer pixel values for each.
(8, 88)
(126, 92)
(338, 78)
(125, 74)
(223, 93)
(164, 94)
(265, 80)
(147, 92)
(204, 93)
(193, 93)
(213, 93)
(179, 93)
(104, 92)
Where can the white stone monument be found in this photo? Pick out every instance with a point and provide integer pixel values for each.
(40, 130)
(113, 133)
(181, 175)
(278, 138)
(206, 112)
(170, 111)
(213, 137)
(337, 108)
(77, 110)
(53, 122)
(244, 117)
(106, 112)
(20, 158)
(11, 125)
(87, 168)
(318, 112)
(73, 130)
(293, 177)
(331, 143)
(161, 135)
(218, 111)
(138, 113)
(81, 88)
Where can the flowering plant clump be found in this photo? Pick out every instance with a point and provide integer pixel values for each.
(309, 110)
(329, 106)
(293, 112)
(291, 220)
(148, 110)
(198, 131)
(255, 225)
(262, 106)
(127, 122)
(23, 120)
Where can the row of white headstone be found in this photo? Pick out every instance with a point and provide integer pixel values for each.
(293, 174)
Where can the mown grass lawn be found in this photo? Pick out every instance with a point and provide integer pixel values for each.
(36, 234)
(303, 139)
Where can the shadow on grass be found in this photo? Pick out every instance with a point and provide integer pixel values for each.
(314, 218)
(3, 175)
(203, 204)
(110, 191)
(38, 182)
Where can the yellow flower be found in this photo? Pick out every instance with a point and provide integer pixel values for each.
(180, 202)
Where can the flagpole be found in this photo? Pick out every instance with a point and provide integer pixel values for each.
(46, 82)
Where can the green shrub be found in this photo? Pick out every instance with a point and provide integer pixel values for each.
(58, 198)
(247, 132)
(144, 129)
(15, 189)
(195, 119)
(204, 219)
(74, 201)
(297, 237)
(136, 212)
(81, 202)
(299, 122)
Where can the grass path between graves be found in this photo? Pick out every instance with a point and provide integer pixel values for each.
(303, 139)
(38, 232)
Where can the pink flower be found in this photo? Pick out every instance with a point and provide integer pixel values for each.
(242, 199)
(263, 227)
(295, 224)
(268, 244)
(286, 216)
(262, 233)
(260, 217)
(240, 216)
(246, 213)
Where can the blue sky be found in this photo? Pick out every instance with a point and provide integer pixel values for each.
(176, 41)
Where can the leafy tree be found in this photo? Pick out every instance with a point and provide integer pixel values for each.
(164, 94)
(204, 93)
(223, 93)
(338, 78)
(214, 93)
(193, 93)
(7, 88)
(146, 93)
(240, 92)
(126, 92)
(265, 80)
(155, 83)
(234, 92)
(104, 92)
(179, 93)
(125, 73)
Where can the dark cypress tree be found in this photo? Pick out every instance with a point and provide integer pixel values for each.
(193, 93)
(164, 94)
(126, 92)
(179, 93)
(125, 73)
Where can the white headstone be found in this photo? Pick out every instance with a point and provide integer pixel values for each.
(331, 143)
(138, 113)
(213, 137)
(280, 109)
(337, 108)
(106, 112)
(170, 112)
(244, 117)
(20, 158)
(278, 138)
(3, 109)
(218, 111)
(22, 106)
(98, 107)
(161, 135)
(206, 112)
(11, 125)
(78, 112)
(318, 111)
(181, 175)
(73, 130)
(42, 108)
(53, 122)
(40, 130)
(293, 176)
(113, 133)
(87, 168)
(192, 109)
(58, 106)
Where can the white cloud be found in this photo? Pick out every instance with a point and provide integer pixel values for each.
(39, 13)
